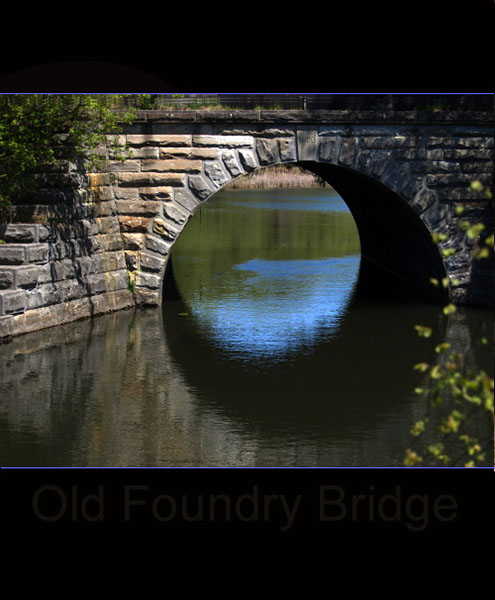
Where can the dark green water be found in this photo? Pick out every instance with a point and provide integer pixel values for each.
(267, 358)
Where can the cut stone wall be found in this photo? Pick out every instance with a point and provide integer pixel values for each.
(105, 238)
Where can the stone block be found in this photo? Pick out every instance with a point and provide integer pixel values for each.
(133, 241)
(329, 149)
(184, 198)
(148, 280)
(247, 160)
(150, 179)
(173, 213)
(307, 144)
(110, 261)
(287, 149)
(28, 277)
(151, 263)
(178, 165)
(110, 242)
(19, 234)
(134, 224)
(157, 193)
(12, 302)
(164, 229)
(348, 151)
(109, 225)
(157, 245)
(147, 297)
(6, 326)
(230, 161)
(129, 166)
(267, 151)
(37, 253)
(12, 255)
(223, 141)
(149, 208)
(6, 278)
(199, 187)
(145, 152)
(158, 140)
(215, 173)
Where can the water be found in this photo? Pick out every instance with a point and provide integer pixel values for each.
(266, 358)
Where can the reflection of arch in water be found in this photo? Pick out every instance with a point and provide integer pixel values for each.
(367, 369)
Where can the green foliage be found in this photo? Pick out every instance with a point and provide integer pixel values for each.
(37, 130)
(131, 281)
(467, 392)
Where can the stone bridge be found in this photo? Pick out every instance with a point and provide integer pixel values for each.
(95, 242)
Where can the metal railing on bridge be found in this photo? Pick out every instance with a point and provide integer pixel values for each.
(362, 102)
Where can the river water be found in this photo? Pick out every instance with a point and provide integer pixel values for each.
(261, 355)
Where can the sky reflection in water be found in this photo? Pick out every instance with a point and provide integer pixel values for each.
(283, 305)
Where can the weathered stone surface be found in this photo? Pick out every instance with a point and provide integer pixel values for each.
(164, 229)
(133, 241)
(222, 141)
(247, 159)
(19, 234)
(158, 140)
(27, 277)
(215, 173)
(173, 213)
(329, 149)
(287, 149)
(131, 166)
(148, 280)
(134, 224)
(12, 302)
(151, 179)
(183, 166)
(150, 208)
(6, 278)
(199, 187)
(6, 326)
(183, 197)
(230, 161)
(424, 199)
(152, 263)
(348, 151)
(267, 151)
(132, 260)
(145, 152)
(156, 193)
(307, 144)
(157, 245)
(12, 255)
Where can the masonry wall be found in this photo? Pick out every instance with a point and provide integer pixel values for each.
(93, 243)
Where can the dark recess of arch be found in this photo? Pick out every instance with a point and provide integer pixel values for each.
(398, 255)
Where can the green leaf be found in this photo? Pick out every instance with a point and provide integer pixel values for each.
(423, 331)
(476, 186)
(474, 230)
(449, 309)
(442, 347)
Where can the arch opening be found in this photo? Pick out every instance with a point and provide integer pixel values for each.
(398, 255)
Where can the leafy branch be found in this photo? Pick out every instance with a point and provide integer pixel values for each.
(450, 380)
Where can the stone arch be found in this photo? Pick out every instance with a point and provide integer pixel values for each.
(395, 212)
